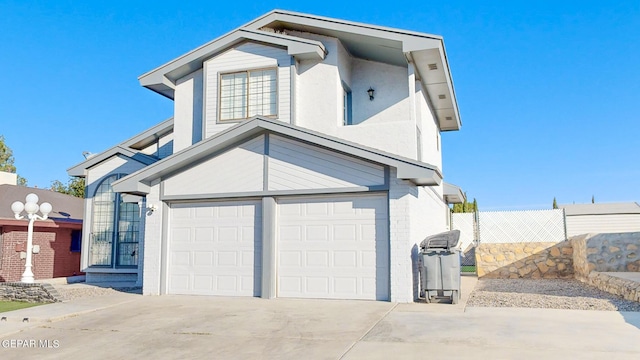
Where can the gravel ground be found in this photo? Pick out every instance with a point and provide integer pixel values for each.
(546, 294)
(70, 292)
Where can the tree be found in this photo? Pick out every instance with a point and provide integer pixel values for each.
(466, 207)
(555, 203)
(74, 187)
(7, 161)
(6, 157)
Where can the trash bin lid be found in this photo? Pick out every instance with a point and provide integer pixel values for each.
(444, 240)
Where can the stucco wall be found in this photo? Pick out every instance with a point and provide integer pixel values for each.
(525, 260)
(187, 115)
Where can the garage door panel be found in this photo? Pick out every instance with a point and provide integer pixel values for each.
(216, 250)
(317, 258)
(203, 258)
(333, 247)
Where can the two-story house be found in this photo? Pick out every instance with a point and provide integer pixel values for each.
(303, 160)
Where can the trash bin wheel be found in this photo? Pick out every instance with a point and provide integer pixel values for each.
(455, 296)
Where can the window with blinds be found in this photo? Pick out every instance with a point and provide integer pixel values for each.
(249, 93)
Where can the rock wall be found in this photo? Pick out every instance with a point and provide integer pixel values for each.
(596, 254)
(625, 288)
(547, 260)
(41, 293)
(606, 252)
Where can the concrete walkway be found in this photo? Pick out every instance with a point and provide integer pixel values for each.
(124, 325)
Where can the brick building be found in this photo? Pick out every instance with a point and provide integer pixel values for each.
(58, 238)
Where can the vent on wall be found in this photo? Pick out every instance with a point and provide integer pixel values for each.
(448, 118)
(442, 96)
(433, 66)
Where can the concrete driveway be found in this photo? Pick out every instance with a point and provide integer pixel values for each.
(128, 326)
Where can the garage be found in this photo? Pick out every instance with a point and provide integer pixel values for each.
(272, 210)
(214, 248)
(333, 247)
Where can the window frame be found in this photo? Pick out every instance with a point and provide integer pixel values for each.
(347, 106)
(115, 221)
(248, 73)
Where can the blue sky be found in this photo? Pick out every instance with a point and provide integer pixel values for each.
(548, 91)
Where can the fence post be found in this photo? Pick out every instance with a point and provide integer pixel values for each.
(564, 220)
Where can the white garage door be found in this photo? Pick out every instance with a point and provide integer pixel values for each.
(215, 248)
(333, 247)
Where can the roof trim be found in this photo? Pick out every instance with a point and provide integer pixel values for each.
(412, 42)
(311, 20)
(123, 148)
(453, 194)
(152, 133)
(162, 79)
(79, 170)
(407, 169)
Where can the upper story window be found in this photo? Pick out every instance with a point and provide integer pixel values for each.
(347, 115)
(248, 93)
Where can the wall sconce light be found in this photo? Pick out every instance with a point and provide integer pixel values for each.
(151, 208)
(371, 92)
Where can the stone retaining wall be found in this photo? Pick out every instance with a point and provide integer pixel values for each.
(627, 289)
(595, 254)
(547, 260)
(606, 253)
(41, 293)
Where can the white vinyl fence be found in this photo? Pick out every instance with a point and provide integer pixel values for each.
(510, 226)
(465, 222)
(521, 226)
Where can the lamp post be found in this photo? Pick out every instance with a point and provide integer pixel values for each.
(31, 208)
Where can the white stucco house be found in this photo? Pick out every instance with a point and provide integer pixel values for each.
(303, 160)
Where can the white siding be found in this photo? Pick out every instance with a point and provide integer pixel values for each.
(609, 223)
(295, 165)
(162, 148)
(246, 56)
(238, 169)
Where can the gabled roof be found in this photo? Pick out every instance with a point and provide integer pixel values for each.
(62, 204)
(127, 148)
(601, 208)
(162, 79)
(79, 170)
(139, 182)
(425, 52)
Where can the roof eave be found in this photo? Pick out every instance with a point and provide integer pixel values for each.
(139, 182)
(162, 79)
(453, 194)
(79, 170)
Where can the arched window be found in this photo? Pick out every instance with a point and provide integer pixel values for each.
(114, 228)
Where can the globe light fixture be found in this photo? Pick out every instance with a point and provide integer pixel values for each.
(31, 207)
